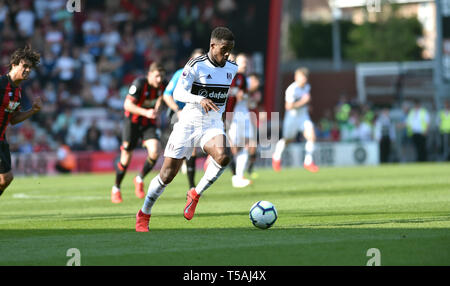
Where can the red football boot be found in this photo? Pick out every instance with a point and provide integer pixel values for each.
(191, 203)
(142, 221)
(139, 189)
(116, 197)
(276, 165)
(311, 167)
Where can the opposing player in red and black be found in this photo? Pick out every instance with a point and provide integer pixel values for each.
(141, 106)
(21, 63)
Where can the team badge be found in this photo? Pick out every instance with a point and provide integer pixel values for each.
(133, 89)
(12, 106)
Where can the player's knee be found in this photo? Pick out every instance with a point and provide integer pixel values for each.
(222, 158)
(153, 155)
(5, 181)
(167, 175)
(127, 147)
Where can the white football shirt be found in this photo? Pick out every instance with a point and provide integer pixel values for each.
(202, 77)
(294, 93)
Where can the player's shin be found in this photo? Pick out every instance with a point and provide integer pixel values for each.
(121, 170)
(191, 171)
(252, 159)
(233, 165)
(148, 166)
(212, 173)
(155, 189)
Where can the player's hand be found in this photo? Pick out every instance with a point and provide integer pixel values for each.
(207, 105)
(37, 104)
(151, 113)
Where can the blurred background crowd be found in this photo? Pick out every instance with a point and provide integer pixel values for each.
(89, 59)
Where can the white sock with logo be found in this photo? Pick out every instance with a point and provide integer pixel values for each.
(212, 173)
(155, 189)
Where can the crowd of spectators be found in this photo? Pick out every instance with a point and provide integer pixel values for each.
(389, 126)
(88, 59)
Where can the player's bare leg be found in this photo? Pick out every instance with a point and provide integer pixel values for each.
(121, 170)
(216, 148)
(190, 169)
(167, 173)
(153, 147)
(310, 137)
(5, 181)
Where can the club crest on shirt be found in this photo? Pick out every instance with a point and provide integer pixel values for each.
(12, 106)
(132, 89)
(229, 75)
(185, 72)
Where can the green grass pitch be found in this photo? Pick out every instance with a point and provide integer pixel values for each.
(329, 218)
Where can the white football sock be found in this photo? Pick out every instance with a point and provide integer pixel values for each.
(241, 162)
(138, 179)
(279, 148)
(115, 189)
(155, 189)
(309, 149)
(212, 173)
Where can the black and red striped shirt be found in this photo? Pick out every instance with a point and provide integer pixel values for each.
(9, 102)
(143, 95)
(240, 82)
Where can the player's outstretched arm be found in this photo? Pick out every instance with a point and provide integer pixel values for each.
(168, 99)
(20, 116)
(131, 107)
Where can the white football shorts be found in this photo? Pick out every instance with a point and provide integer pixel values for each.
(294, 124)
(188, 134)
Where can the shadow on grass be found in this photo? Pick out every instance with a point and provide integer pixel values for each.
(227, 246)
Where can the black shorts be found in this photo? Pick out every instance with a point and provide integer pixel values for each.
(132, 132)
(5, 158)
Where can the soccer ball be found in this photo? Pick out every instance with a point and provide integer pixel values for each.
(263, 214)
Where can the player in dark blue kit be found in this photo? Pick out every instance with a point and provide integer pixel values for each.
(21, 63)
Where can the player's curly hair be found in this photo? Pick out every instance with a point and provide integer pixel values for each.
(26, 54)
(222, 33)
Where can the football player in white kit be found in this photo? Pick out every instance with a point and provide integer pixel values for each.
(204, 86)
(296, 120)
(241, 133)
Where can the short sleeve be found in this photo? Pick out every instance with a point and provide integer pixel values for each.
(290, 94)
(187, 77)
(172, 84)
(307, 88)
(136, 88)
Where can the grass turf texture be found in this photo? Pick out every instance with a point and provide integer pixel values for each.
(329, 218)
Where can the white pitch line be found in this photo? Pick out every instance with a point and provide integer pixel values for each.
(56, 197)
